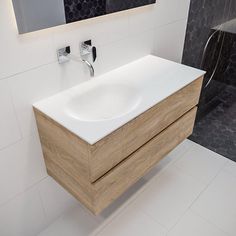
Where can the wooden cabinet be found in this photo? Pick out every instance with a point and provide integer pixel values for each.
(98, 174)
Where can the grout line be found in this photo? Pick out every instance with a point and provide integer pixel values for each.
(198, 196)
(15, 110)
(210, 222)
(23, 137)
(34, 185)
(27, 70)
(11, 144)
(154, 219)
(119, 211)
(42, 205)
(170, 23)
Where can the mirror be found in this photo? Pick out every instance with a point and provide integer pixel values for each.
(32, 15)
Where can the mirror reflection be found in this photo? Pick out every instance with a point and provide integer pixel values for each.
(34, 15)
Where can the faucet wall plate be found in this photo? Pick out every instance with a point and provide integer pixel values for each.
(62, 55)
(86, 48)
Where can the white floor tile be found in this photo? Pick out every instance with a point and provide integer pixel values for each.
(91, 224)
(200, 163)
(193, 225)
(132, 222)
(168, 196)
(123, 200)
(75, 222)
(51, 190)
(23, 216)
(230, 168)
(181, 148)
(171, 158)
(217, 203)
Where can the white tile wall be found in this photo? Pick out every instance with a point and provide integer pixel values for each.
(29, 72)
(21, 167)
(169, 40)
(10, 132)
(23, 52)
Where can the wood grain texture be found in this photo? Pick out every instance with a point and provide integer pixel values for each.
(111, 150)
(98, 174)
(63, 147)
(115, 182)
(97, 196)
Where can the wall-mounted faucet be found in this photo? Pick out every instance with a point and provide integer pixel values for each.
(64, 55)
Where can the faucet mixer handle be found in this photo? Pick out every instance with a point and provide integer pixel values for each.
(86, 48)
(62, 54)
(94, 52)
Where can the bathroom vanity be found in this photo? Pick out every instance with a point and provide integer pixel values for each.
(102, 136)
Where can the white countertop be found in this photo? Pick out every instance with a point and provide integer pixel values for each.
(154, 78)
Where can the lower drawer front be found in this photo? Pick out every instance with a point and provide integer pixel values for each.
(115, 182)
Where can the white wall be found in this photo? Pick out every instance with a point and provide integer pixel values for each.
(29, 199)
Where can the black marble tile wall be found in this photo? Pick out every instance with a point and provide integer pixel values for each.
(119, 5)
(203, 16)
(76, 10)
(216, 119)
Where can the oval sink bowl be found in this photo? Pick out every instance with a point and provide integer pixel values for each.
(103, 102)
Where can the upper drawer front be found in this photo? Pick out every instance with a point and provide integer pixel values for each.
(111, 150)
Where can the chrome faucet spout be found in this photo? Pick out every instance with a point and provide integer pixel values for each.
(90, 66)
(87, 63)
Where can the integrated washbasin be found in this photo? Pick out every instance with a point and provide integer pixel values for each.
(103, 102)
(94, 109)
